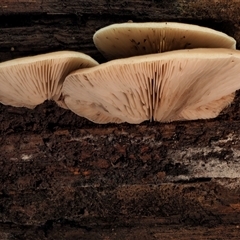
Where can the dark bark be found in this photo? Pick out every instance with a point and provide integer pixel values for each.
(63, 177)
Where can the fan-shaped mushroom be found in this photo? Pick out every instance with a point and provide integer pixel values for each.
(176, 85)
(133, 39)
(29, 81)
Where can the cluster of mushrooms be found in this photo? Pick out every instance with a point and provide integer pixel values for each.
(162, 72)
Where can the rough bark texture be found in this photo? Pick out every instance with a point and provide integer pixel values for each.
(63, 177)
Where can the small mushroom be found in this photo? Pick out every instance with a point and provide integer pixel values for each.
(29, 81)
(176, 85)
(133, 39)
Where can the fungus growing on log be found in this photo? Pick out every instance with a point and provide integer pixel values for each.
(177, 85)
(133, 39)
(29, 81)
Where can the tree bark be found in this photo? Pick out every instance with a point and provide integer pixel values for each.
(63, 177)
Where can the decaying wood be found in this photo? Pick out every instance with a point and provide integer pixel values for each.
(63, 177)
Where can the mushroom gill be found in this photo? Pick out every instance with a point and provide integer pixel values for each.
(176, 85)
(29, 81)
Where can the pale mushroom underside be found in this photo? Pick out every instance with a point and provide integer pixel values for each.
(133, 39)
(106, 98)
(177, 85)
(29, 81)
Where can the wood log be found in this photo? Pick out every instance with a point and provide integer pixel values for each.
(64, 177)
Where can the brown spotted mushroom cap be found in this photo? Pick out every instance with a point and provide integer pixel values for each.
(133, 39)
(29, 81)
(176, 85)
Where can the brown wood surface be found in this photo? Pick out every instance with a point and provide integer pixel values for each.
(63, 177)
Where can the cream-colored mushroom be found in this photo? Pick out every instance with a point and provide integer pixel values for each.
(29, 81)
(176, 85)
(133, 39)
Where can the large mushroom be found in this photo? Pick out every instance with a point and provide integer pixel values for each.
(176, 85)
(29, 81)
(133, 39)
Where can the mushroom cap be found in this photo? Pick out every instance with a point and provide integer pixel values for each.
(176, 85)
(133, 39)
(29, 81)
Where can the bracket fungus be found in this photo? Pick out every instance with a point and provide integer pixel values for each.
(133, 39)
(29, 81)
(177, 85)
